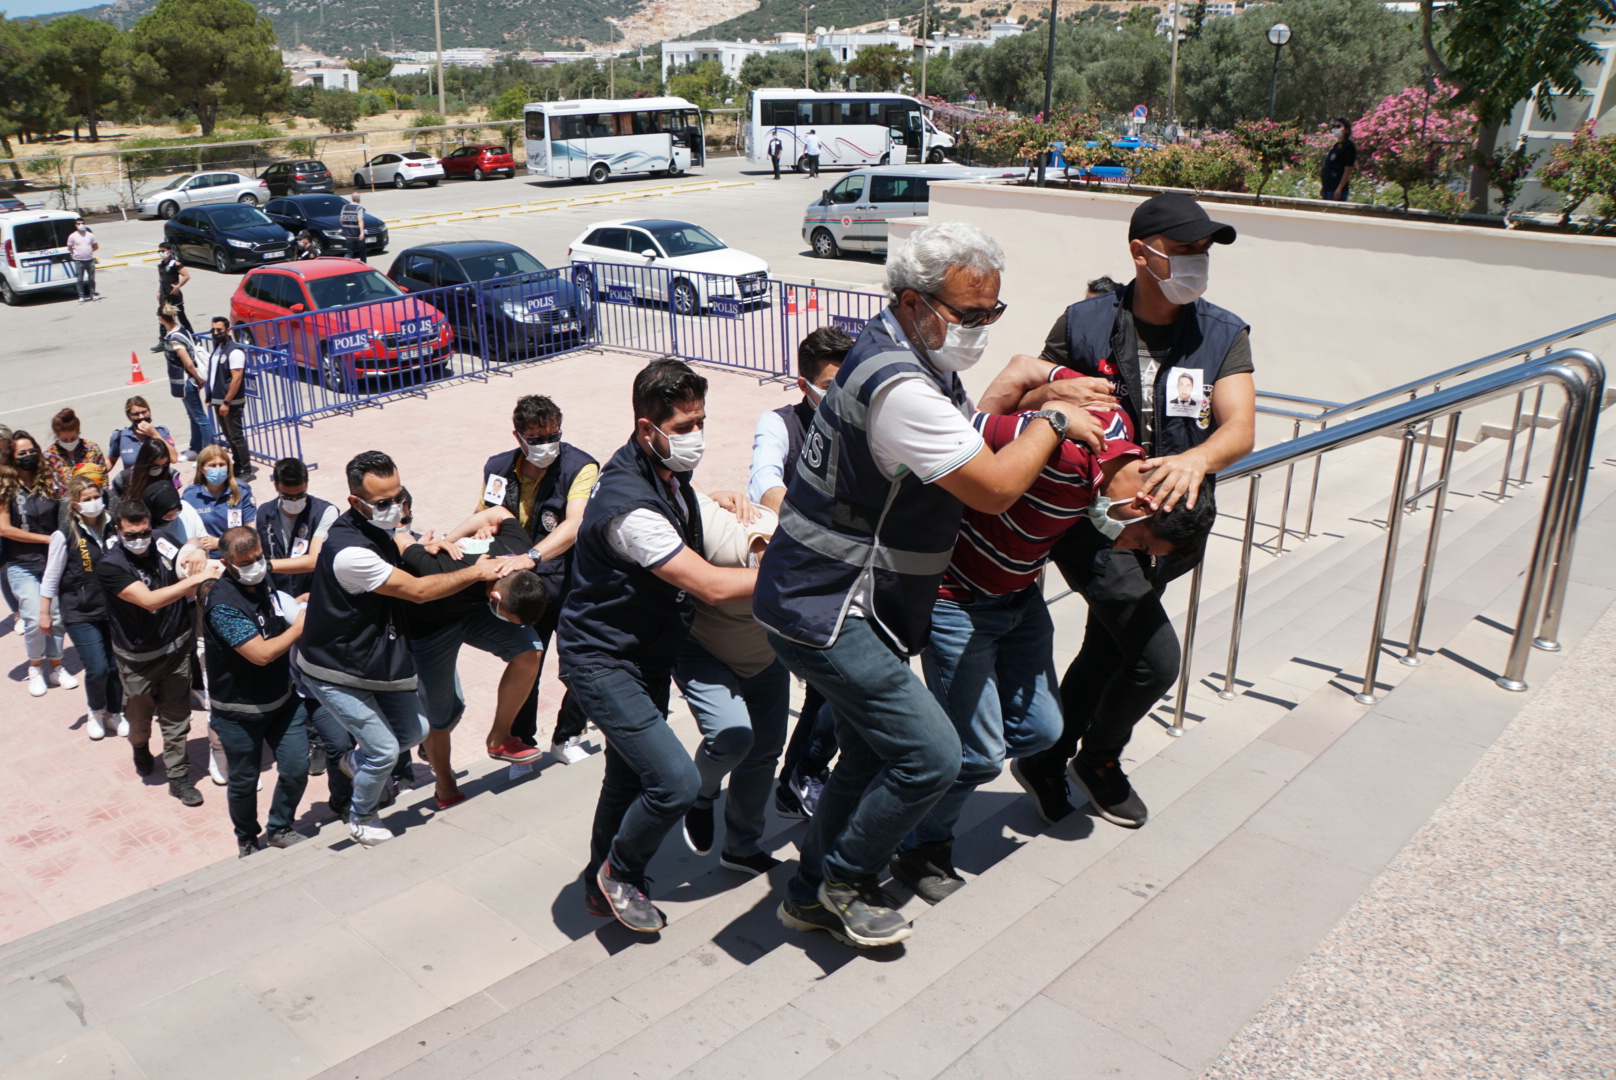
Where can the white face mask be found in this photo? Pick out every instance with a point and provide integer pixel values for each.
(543, 455)
(137, 547)
(159, 470)
(1109, 527)
(294, 506)
(69, 447)
(91, 508)
(961, 347)
(1337, 132)
(252, 575)
(684, 451)
(386, 520)
(1188, 277)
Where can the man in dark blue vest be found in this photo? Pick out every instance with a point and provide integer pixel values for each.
(292, 527)
(246, 642)
(545, 483)
(1134, 347)
(776, 445)
(637, 573)
(868, 525)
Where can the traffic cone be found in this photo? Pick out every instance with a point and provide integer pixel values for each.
(791, 299)
(813, 298)
(136, 376)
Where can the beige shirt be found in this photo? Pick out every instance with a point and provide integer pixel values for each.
(727, 631)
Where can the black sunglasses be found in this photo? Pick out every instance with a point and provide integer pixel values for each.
(138, 535)
(974, 318)
(384, 504)
(541, 440)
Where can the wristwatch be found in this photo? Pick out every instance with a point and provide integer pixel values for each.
(533, 553)
(1056, 418)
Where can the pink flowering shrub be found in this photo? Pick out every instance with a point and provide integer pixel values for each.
(1414, 138)
(1583, 169)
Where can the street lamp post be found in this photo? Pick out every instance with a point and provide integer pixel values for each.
(925, 42)
(1278, 35)
(1049, 85)
(443, 110)
(806, 80)
(611, 61)
(1172, 71)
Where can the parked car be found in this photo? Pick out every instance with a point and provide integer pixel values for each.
(401, 170)
(319, 215)
(227, 237)
(521, 312)
(852, 215)
(11, 202)
(479, 162)
(298, 178)
(33, 253)
(1109, 169)
(699, 266)
(196, 189)
(350, 322)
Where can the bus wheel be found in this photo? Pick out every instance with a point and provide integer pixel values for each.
(802, 164)
(935, 156)
(598, 172)
(825, 245)
(886, 159)
(674, 170)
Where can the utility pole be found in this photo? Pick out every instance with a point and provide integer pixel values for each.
(806, 80)
(925, 43)
(1172, 76)
(1049, 85)
(611, 62)
(443, 108)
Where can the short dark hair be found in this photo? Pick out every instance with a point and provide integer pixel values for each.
(369, 463)
(1187, 528)
(1346, 125)
(290, 471)
(662, 386)
(827, 345)
(535, 410)
(522, 594)
(1103, 285)
(238, 541)
(220, 318)
(133, 511)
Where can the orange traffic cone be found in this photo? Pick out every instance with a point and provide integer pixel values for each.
(136, 376)
(813, 298)
(791, 299)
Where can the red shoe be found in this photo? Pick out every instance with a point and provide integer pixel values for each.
(516, 752)
(460, 797)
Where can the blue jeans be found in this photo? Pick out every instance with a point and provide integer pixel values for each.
(24, 581)
(743, 727)
(103, 689)
(436, 656)
(84, 277)
(331, 736)
(650, 780)
(899, 754)
(243, 736)
(197, 413)
(384, 723)
(991, 665)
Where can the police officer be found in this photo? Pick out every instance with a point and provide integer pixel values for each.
(226, 382)
(776, 148)
(545, 483)
(185, 378)
(293, 526)
(1132, 347)
(172, 277)
(246, 640)
(351, 222)
(153, 639)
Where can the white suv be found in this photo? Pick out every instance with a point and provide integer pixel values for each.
(674, 262)
(195, 189)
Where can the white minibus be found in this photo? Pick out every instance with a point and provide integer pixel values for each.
(853, 128)
(594, 138)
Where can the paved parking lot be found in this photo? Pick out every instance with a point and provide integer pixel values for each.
(59, 352)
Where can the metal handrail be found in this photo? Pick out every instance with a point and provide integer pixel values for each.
(1581, 375)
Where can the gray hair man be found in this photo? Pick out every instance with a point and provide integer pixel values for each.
(867, 527)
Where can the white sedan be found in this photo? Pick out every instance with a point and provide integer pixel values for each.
(195, 189)
(401, 170)
(674, 262)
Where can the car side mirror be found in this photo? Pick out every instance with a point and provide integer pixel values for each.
(649, 255)
(296, 309)
(824, 197)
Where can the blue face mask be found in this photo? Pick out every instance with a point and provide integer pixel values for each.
(1109, 527)
(217, 474)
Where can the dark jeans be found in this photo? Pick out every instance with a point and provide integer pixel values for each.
(650, 779)
(323, 728)
(102, 688)
(570, 718)
(1327, 193)
(243, 736)
(230, 427)
(775, 158)
(84, 277)
(197, 413)
(813, 740)
(813, 164)
(355, 247)
(1128, 660)
(899, 754)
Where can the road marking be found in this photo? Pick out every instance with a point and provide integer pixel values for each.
(503, 206)
(132, 254)
(67, 400)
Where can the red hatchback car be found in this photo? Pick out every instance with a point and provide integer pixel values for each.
(354, 323)
(479, 162)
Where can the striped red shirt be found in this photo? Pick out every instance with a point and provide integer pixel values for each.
(997, 554)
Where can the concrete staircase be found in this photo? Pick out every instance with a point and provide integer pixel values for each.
(461, 950)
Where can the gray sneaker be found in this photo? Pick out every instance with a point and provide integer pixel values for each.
(927, 870)
(868, 916)
(808, 789)
(628, 901)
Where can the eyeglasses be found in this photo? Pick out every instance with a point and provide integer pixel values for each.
(138, 418)
(975, 317)
(541, 440)
(138, 535)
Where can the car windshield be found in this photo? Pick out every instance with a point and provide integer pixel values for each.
(500, 264)
(239, 217)
(356, 288)
(679, 240)
(321, 206)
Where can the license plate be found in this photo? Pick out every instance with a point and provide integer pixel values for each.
(409, 354)
(566, 327)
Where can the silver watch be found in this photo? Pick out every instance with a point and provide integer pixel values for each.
(1056, 418)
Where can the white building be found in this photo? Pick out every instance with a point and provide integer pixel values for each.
(1597, 102)
(730, 55)
(326, 78)
(845, 44)
(469, 58)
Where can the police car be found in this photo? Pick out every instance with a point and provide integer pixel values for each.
(33, 253)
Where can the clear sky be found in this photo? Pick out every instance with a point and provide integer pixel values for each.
(15, 8)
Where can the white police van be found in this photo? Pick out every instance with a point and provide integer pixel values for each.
(33, 253)
(852, 214)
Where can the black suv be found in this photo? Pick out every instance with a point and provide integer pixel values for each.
(298, 178)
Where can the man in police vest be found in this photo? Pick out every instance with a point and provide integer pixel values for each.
(545, 483)
(246, 642)
(847, 585)
(1133, 347)
(292, 527)
(153, 640)
(351, 223)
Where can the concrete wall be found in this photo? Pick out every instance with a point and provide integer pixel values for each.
(1339, 306)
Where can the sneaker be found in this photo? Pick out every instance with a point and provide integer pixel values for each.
(628, 901)
(123, 726)
(569, 752)
(97, 724)
(1049, 793)
(144, 762)
(349, 763)
(281, 838)
(84, 299)
(157, 348)
(807, 789)
(36, 680)
(187, 455)
(750, 865)
(60, 676)
(699, 829)
(185, 792)
(368, 830)
(927, 870)
(218, 768)
(246, 847)
(812, 915)
(868, 916)
(595, 901)
(316, 760)
(786, 803)
(516, 752)
(1109, 792)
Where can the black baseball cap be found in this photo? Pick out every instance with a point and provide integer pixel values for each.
(1177, 217)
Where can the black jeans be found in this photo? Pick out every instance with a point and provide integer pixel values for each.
(1128, 660)
(775, 158)
(230, 426)
(813, 740)
(356, 248)
(178, 300)
(243, 736)
(570, 718)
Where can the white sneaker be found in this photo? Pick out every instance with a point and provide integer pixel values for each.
(123, 726)
(97, 725)
(17, 627)
(187, 455)
(60, 676)
(368, 830)
(569, 752)
(219, 768)
(36, 680)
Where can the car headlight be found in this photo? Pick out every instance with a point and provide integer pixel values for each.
(335, 234)
(237, 243)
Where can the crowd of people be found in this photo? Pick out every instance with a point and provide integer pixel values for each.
(887, 516)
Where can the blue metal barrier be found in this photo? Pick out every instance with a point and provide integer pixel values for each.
(270, 417)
